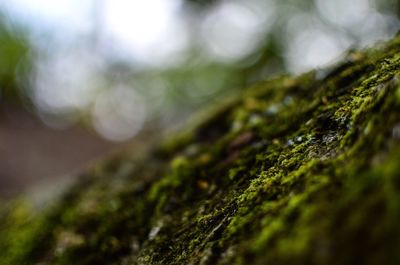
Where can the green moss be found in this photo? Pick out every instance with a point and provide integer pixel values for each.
(295, 170)
(19, 233)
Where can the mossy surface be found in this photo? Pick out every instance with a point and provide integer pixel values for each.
(296, 170)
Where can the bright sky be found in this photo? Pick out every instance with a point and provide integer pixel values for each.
(49, 15)
(135, 27)
(148, 29)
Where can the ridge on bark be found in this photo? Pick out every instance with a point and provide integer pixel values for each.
(294, 170)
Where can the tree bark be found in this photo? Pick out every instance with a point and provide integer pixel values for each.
(295, 170)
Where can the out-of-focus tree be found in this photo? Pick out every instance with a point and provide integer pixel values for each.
(227, 45)
(14, 60)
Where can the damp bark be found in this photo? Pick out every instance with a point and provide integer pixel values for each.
(294, 170)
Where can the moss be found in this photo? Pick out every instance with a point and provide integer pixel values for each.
(294, 170)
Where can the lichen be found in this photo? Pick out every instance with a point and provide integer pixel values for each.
(294, 170)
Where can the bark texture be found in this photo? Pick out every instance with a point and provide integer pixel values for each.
(295, 170)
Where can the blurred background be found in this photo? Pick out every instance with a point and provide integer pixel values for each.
(80, 78)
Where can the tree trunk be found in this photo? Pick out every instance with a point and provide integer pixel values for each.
(295, 170)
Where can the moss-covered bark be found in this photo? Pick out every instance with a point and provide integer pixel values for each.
(296, 170)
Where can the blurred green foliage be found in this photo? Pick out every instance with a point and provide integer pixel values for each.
(14, 59)
(174, 92)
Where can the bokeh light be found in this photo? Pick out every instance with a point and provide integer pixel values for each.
(151, 32)
(80, 77)
(90, 58)
(119, 114)
(233, 29)
(66, 82)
